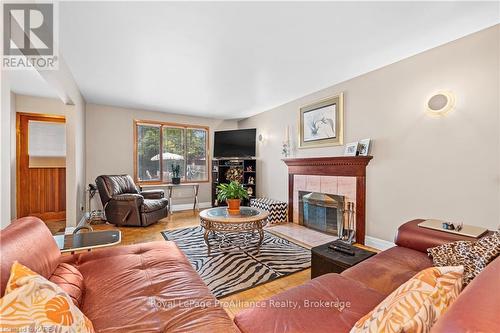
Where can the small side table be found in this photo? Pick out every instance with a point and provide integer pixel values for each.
(325, 260)
(87, 240)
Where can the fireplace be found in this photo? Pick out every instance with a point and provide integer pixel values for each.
(322, 212)
(342, 176)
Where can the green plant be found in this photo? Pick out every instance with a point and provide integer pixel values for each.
(176, 170)
(233, 190)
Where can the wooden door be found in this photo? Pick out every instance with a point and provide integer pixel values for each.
(41, 189)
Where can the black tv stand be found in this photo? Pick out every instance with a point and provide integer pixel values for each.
(247, 167)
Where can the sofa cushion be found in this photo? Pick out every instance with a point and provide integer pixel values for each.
(152, 205)
(329, 303)
(416, 304)
(28, 241)
(389, 269)
(69, 279)
(148, 287)
(474, 256)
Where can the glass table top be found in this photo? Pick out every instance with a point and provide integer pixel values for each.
(223, 212)
(87, 240)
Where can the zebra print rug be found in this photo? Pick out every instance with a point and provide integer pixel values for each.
(239, 268)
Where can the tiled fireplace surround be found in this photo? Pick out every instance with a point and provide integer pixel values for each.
(345, 186)
(343, 175)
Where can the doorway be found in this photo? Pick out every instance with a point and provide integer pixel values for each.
(41, 168)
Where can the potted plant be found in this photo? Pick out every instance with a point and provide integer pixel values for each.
(232, 193)
(176, 174)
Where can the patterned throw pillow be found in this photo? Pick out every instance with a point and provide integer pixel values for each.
(474, 256)
(33, 304)
(416, 305)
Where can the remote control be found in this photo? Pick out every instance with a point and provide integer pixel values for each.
(341, 249)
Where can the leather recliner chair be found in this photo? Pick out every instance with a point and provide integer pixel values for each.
(125, 205)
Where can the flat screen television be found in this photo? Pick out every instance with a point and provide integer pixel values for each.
(235, 143)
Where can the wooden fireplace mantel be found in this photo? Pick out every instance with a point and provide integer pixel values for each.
(346, 166)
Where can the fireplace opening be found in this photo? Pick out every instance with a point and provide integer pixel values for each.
(322, 212)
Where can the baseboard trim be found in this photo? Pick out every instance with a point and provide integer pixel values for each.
(189, 206)
(378, 243)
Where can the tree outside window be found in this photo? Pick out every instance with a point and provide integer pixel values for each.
(181, 145)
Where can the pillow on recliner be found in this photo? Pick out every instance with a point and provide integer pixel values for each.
(474, 256)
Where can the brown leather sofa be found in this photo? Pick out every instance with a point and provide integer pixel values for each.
(125, 205)
(368, 283)
(149, 287)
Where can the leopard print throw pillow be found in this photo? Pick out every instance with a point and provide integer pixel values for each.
(474, 256)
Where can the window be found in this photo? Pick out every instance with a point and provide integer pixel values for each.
(148, 152)
(159, 146)
(46, 144)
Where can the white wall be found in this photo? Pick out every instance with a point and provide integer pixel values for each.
(423, 167)
(75, 150)
(5, 132)
(73, 107)
(13, 156)
(62, 81)
(110, 141)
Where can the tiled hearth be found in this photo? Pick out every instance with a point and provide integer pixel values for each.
(301, 235)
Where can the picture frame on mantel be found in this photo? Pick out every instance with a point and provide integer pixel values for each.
(321, 124)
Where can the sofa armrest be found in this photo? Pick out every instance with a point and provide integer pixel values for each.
(153, 194)
(130, 197)
(28, 241)
(412, 236)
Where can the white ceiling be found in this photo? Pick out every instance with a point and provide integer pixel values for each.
(235, 59)
(29, 82)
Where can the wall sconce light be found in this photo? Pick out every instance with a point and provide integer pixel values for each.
(440, 104)
(261, 137)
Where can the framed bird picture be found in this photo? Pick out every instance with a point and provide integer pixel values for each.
(322, 123)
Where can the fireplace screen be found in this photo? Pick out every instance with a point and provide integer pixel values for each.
(322, 212)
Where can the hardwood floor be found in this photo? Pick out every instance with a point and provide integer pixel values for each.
(233, 303)
(56, 227)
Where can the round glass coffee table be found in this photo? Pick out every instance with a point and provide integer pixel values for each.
(219, 221)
